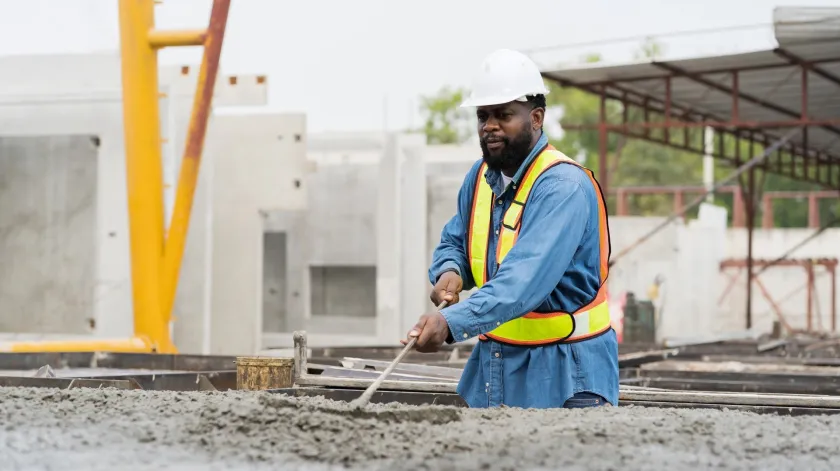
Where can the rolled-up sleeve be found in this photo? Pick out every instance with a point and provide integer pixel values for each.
(553, 224)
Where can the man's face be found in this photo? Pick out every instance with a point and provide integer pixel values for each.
(507, 132)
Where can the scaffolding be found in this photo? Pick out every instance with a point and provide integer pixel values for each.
(783, 102)
(156, 253)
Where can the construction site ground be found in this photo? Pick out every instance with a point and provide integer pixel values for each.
(92, 429)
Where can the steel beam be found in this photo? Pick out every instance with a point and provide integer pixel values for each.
(676, 71)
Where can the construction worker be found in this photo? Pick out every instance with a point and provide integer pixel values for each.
(531, 234)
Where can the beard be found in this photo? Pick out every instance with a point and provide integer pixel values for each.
(512, 154)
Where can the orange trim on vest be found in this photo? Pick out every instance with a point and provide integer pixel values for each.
(598, 307)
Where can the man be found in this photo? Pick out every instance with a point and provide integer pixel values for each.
(531, 233)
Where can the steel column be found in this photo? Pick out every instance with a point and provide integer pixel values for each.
(188, 175)
(144, 168)
(603, 176)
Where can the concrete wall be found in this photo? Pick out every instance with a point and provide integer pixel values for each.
(355, 288)
(258, 168)
(86, 103)
(47, 233)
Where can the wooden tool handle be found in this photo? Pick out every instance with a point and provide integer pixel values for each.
(365, 397)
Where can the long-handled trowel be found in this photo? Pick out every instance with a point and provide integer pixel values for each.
(362, 400)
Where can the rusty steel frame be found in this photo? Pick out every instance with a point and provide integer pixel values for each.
(813, 198)
(795, 161)
(678, 192)
(808, 265)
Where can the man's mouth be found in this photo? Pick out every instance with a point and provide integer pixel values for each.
(494, 144)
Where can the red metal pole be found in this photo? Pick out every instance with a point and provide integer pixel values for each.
(804, 95)
(767, 212)
(621, 197)
(809, 267)
(737, 209)
(833, 269)
(735, 91)
(602, 143)
(678, 201)
(666, 132)
(750, 227)
(813, 211)
(804, 116)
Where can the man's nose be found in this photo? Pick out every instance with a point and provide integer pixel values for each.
(490, 125)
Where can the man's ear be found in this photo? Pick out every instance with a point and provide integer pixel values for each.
(537, 118)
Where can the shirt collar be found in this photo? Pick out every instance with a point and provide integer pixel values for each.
(494, 177)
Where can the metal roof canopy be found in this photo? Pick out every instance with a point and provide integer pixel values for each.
(755, 96)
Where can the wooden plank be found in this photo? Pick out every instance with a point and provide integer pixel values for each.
(338, 372)
(408, 368)
(64, 383)
(754, 399)
(780, 410)
(362, 383)
(629, 360)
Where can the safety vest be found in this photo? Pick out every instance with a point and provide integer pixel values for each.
(536, 328)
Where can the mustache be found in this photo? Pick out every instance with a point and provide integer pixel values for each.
(493, 139)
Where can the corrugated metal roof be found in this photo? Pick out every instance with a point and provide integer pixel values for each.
(796, 25)
(769, 83)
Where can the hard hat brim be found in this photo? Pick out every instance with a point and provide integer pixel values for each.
(494, 100)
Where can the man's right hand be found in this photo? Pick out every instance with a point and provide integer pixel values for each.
(447, 288)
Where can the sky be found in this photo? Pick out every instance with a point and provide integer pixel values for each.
(362, 65)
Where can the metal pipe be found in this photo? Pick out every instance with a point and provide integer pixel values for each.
(144, 172)
(809, 268)
(717, 71)
(750, 229)
(735, 93)
(697, 124)
(130, 345)
(188, 176)
(159, 39)
(603, 177)
(666, 134)
(833, 269)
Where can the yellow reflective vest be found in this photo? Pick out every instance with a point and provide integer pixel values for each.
(535, 328)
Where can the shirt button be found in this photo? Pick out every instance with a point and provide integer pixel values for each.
(487, 384)
(498, 323)
(499, 202)
(465, 335)
(497, 232)
(498, 355)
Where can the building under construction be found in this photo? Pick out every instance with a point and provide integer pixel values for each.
(167, 311)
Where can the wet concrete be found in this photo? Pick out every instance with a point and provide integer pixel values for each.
(44, 429)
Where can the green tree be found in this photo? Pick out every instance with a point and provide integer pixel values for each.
(445, 122)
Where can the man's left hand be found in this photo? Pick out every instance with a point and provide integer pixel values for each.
(431, 331)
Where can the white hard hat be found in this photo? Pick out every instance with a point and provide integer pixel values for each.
(505, 76)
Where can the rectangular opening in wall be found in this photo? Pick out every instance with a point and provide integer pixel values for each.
(274, 281)
(48, 193)
(343, 291)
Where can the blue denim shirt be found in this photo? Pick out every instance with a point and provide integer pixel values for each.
(554, 265)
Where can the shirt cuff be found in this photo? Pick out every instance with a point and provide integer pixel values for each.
(448, 266)
(460, 319)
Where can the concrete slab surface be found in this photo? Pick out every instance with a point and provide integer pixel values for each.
(107, 429)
